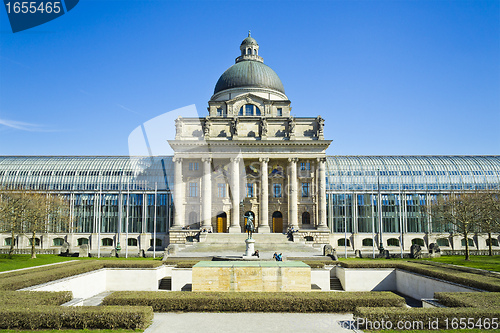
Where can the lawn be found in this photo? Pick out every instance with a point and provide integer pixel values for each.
(483, 262)
(18, 261)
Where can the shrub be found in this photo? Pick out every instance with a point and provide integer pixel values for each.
(30, 277)
(446, 317)
(469, 300)
(56, 317)
(32, 298)
(474, 280)
(254, 301)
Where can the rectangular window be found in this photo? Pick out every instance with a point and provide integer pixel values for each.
(279, 112)
(249, 110)
(250, 188)
(277, 190)
(219, 112)
(221, 190)
(305, 189)
(193, 166)
(193, 189)
(305, 166)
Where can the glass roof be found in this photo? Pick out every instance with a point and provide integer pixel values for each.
(416, 173)
(86, 172)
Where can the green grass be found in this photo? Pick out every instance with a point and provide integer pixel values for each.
(482, 262)
(18, 261)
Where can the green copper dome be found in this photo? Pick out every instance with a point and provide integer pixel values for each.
(249, 73)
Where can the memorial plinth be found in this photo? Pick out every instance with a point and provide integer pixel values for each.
(251, 276)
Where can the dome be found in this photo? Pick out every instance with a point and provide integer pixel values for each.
(249, 71)
(249, 41)
(249, 74)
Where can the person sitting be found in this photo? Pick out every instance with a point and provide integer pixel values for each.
(256, 254)
(279, 257)
(275, 256)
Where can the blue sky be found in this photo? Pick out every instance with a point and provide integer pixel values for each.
(389, 77)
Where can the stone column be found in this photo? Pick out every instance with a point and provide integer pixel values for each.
(235, 196)
(293, 220)
(264, 196)
(322, 194)
(206, 198)
(179, 218)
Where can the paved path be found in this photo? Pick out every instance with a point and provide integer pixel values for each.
(248, 322)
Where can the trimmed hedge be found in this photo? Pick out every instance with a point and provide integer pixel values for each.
(32, 298)
(30, 277)
(254, 301)
(82, 317)
(469, 300)
(474, 280)
(424, 315)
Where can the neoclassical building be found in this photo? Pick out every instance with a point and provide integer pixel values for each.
(249, 157)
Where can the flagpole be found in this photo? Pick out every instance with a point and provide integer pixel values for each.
(154, 222)
(127, 218)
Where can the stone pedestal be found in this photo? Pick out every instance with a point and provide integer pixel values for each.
(250, 247)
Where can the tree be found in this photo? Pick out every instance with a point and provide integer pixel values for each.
(13, 206)
(462, 210)
(490, 211)
(43, 213)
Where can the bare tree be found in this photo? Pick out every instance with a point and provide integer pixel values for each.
(490, 211)
(44, 212)
(13, 206)
(462, 210)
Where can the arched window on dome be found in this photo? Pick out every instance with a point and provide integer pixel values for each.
(249, 51)
(249, 110)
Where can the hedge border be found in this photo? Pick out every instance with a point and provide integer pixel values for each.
(319, 302)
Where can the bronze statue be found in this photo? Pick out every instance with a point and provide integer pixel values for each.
(249, 227)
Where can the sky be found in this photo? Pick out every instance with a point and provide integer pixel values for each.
(389, 77)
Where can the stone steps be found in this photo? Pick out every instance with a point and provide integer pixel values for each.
(165, 283)
(225, 238)
(335, 284)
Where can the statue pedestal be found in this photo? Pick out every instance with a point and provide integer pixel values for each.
(250, 247)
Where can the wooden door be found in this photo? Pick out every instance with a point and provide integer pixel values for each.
(278, 224)
(221, 224)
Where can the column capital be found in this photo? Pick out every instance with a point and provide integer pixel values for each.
(235, 159)
(321, 159)
(264, 159)
(206, 159)
(293, 159)
(177, 159)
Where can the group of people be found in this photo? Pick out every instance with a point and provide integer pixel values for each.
(278, 257)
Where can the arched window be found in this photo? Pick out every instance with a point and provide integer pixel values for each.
(443, 242)
(37, 241)
(158, 242)
(249, 110)
(418, 241)
(306, 218)
(8, 241)
(494, 242)
(342, 242)
(83, 241)
(249, 51)
(57, 241)
(132, 242)
(471, 242)
(393, 242)
(367, 242)
(107, 242)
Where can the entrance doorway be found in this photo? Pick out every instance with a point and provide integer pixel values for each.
(222, 222)
(277, 222)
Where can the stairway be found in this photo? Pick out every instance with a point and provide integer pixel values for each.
(166, 283)
(335, 284)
